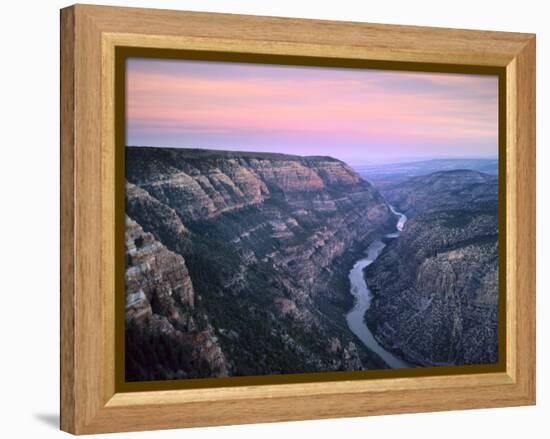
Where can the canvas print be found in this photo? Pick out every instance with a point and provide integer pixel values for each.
(295, 219)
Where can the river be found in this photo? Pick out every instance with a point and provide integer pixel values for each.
(362, 294)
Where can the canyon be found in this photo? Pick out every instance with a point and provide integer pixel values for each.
(243, 263)
(237, 263)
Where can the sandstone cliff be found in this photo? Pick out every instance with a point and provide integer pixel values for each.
(266, 241)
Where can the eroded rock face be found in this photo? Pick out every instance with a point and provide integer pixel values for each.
(160, 306)
(201, 185)
(436, 286)
(268, 240)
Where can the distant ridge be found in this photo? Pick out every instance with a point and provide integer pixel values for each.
(450, 172)
(208, 153)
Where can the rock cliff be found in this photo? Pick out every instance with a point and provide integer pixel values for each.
(160, 312)
(264, 242)
(436, 286)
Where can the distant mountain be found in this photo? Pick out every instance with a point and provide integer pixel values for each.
(436, 287)
(237, 263)
(443, 190)
(384, 174)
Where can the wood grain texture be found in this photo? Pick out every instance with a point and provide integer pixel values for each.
(90, 34)
(525, 220)
(67, 254)
(375, 41)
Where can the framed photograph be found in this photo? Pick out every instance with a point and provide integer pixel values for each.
(268, 219)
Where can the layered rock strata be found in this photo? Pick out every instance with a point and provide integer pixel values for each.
(436, 286)
(267, 241)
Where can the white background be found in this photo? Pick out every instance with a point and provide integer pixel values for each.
(29, 218)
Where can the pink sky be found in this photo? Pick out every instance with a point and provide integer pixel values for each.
(351, 114)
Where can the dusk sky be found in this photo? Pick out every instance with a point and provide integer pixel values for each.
(352, 114)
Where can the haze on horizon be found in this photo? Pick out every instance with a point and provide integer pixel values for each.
(356, 115)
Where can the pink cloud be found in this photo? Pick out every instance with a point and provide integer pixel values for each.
(347, 105)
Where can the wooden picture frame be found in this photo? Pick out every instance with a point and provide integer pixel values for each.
(91, 402)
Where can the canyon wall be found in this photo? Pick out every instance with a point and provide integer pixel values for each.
(244, 256)
(436, 286)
